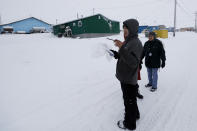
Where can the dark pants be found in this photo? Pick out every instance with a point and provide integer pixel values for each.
(130, 103)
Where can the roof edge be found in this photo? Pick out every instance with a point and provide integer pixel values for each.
(85, 18)
(23, 20)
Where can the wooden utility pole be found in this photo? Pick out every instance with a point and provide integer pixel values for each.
(175, 4)
(196, 21)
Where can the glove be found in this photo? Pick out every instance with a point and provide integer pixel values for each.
(163, 64)
(140, 66)
(116, 55)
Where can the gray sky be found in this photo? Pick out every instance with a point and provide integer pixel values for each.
(151, 12)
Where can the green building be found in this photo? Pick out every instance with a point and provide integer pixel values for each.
(88, 27)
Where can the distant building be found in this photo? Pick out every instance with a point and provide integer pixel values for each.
(187, 29)
(162, 27)
(147, 29)
(142, 28)
(28, 25)
(88, 27)
(170, 29)
(152, 28)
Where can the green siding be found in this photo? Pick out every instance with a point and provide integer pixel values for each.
(93, 24)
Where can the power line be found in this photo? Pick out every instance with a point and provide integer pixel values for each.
(183, 3)
(150, 4)
(132, 5)
(184, 9)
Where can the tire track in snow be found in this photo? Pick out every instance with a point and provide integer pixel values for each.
(99, 96)
(160, 112)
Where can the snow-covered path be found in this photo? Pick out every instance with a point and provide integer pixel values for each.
(51, 84)
(174, 106)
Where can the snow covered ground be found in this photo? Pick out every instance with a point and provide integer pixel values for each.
(52, 84)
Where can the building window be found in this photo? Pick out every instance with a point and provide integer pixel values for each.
(74, 24)
(62, 26)
(99, 17)
(79, 23)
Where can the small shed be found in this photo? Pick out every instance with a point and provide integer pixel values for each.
(88, 27)
(27, 25)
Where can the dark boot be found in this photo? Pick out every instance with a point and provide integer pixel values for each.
(148, 85)
(153, 89)
(121, 124)
(140, 96)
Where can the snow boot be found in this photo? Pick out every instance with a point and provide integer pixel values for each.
(137, 118)
(121, 125)
(148, 85)
(153, 89)
(140, 96)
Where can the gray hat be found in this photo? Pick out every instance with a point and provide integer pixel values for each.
(132, 25)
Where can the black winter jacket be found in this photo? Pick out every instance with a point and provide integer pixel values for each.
(154, 53)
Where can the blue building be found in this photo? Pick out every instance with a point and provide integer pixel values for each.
(148, 28)
(142, 28)
(28, 25)
(152, 28)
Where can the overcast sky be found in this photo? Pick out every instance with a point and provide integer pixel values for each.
(148, 12)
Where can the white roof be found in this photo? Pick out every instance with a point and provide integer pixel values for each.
(10, 27)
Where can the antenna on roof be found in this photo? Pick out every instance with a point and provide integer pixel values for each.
(93, 11)
(77, 16)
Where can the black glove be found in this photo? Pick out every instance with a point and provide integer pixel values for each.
(140, 66)
(116, 55)
(163, 64)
